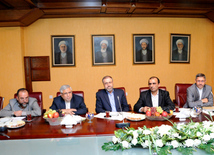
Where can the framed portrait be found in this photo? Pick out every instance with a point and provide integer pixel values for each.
(143, 48)
(103, 50)
(180, 48)
(63, 51)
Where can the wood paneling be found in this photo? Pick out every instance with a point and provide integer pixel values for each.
(25, 12)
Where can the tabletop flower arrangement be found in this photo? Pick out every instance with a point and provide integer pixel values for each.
(182, 137)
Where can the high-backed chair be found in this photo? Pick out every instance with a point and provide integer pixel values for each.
(141, 89)
(181, 93)
(122, 88)
(1, 102)
(38, 96)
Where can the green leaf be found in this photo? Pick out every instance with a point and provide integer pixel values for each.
(165, 150)
(186, 151)
(111, 146)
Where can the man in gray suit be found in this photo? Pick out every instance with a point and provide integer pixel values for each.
(199, 94)
(22, 105)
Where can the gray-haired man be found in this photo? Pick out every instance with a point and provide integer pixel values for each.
(68, 102)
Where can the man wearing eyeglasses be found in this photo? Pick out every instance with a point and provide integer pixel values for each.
(22, 105)
(69, 103)
(199, 94)
(154, 97)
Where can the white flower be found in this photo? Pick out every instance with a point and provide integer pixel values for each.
(198, 134)
(197, 142)
(211, 135)
(146, 132)
(114, 139)
(145, 144)
(164, 129)
(189, 142)
(134, 141)
(175, 144)
(159, 143)
(180, 126)
(206, 138)
(140, 129)
(135, 134)
(125, 144)
(175, 135)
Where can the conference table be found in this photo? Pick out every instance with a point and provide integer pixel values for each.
(59, 139)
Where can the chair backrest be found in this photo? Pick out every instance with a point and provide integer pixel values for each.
(1, 102)
(38, 96)
(79, 93)
(141, 89)
(181, 93)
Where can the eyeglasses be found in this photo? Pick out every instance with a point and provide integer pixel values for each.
(200, 81)
(68, 93)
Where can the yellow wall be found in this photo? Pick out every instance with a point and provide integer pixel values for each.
(11, 62)
(37, 42)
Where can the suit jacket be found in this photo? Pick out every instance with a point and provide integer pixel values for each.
(77, 103)
(139, 55)
(32, 108)
(99, 57)
(193, 97)
(175, 55)
(69, 58)
(103, 103)
(163, 100)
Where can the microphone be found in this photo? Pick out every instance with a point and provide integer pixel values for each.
(121, 125)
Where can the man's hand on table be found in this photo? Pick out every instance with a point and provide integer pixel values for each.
(144, 109)
(17, 113)
(69, 111)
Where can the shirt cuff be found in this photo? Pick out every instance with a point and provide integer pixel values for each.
(24, 113)
(140, 109)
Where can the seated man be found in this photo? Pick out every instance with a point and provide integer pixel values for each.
(199, 94)
(22, 105)
(154, 97)
(69, 103)
(108, 99)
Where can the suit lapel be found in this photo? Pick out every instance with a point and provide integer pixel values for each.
(197, 93)
(159, 97)
(116, 100)
(106, 97)
(203, 93)
(149, 99)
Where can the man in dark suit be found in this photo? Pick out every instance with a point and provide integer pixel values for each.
(199, 94)
(144, 54)
(154, 97)
(64, 56)
(108, 99)
(68, 102)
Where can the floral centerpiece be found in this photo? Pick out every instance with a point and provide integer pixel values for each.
(161, 139)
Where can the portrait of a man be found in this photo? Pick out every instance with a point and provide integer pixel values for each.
(143, 49)
(103, 50)
(180, 48)
(63, 51)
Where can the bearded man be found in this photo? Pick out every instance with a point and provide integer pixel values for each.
(22, 105)
(108, 99)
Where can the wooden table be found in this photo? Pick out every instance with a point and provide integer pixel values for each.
(39, 128)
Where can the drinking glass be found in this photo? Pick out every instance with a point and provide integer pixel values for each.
(89, 116)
